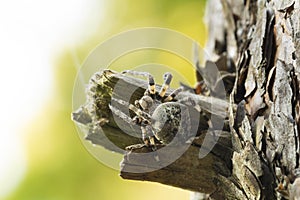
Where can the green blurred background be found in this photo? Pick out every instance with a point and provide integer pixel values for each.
(58, 165)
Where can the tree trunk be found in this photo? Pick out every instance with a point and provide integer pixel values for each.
(257, 157)
(262, 39)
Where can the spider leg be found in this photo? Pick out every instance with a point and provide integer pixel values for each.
(173, 94)
(140, 113)
(167, 80)
(148, 138)
(142, 118)
(147, 135)
(151, 83)
(201, 88)
(137, 111)
(120, 114)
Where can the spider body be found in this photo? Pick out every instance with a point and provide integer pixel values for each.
(169, 119)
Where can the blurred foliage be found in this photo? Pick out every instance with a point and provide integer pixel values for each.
(59, 167)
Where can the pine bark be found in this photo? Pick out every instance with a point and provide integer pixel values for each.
(262, 39)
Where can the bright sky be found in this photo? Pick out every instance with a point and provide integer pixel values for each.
(32, 33)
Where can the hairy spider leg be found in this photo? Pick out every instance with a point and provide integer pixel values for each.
(121, 115)
(148, 135)
(147, 132)
(167, 80)
(151, 86)
(173, 94)
(151, 82)
(137, 111)
(142, 118)
(148, 138)
(201, 88)
(145, 116)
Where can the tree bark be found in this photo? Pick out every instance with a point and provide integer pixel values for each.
(257, 157)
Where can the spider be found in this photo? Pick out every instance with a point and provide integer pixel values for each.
(159, 116)
(162, 117)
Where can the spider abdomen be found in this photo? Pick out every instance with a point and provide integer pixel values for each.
(171, 120)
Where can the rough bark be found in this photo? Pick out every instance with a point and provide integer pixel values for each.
(258, 157)
(262, 39)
